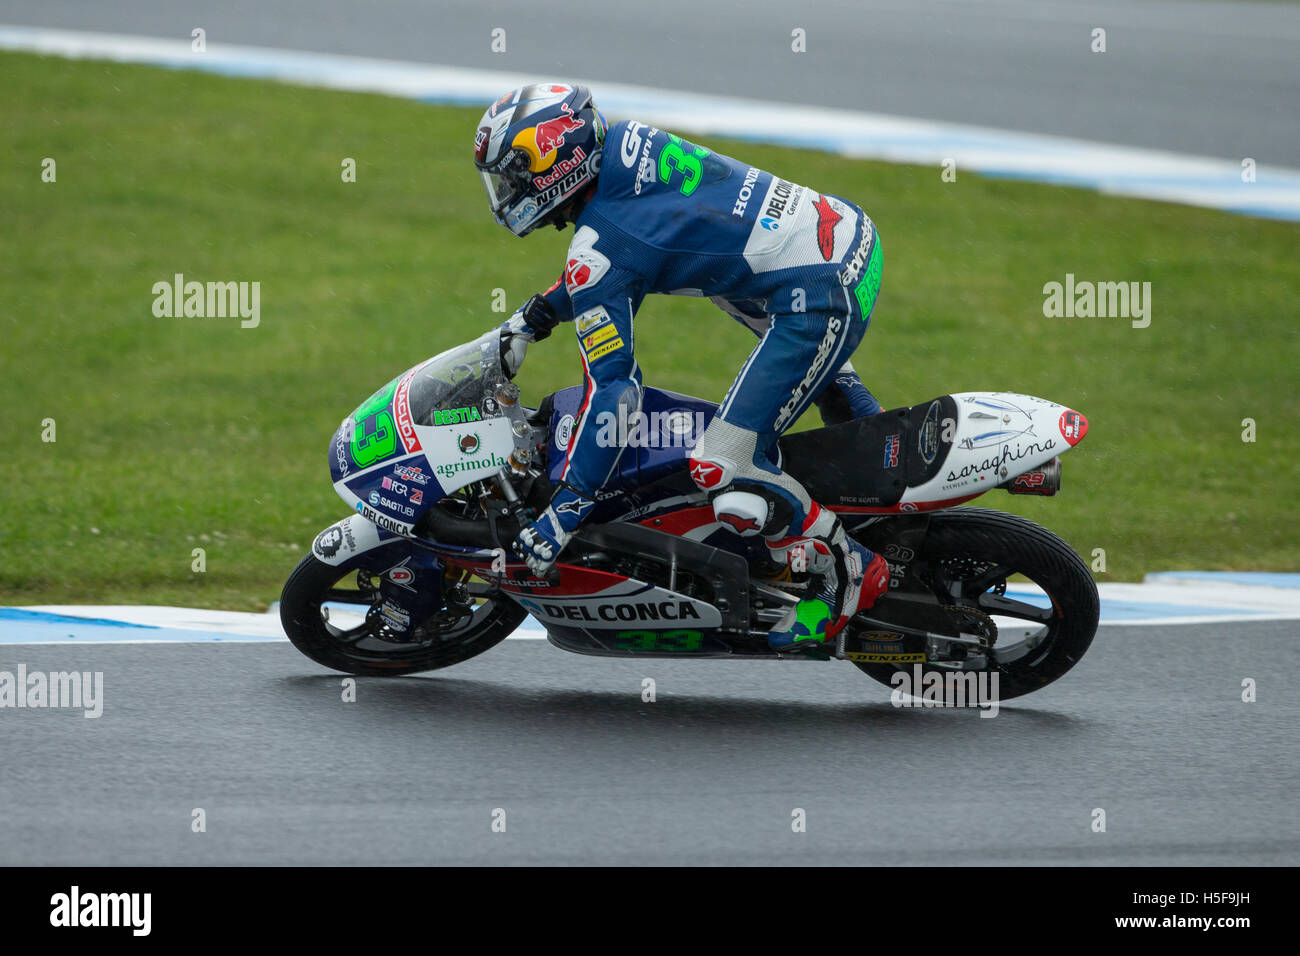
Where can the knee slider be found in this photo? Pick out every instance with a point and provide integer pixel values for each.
(751, 509)
(724, 463)
(742, 511)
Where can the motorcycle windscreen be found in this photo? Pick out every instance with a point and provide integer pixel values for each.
(437, 420)
(459, 423)
(457, 386)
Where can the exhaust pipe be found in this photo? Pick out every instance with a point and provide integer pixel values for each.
(1044, 480)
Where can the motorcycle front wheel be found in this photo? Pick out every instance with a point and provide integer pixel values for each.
(359, 641)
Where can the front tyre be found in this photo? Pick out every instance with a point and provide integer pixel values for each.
(365, 645)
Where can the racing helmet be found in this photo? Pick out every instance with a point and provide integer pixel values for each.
(537, 148)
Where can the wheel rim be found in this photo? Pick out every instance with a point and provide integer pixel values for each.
(348, 613)
(1026, 616)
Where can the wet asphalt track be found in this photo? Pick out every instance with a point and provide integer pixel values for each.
(1149, 726)
(1208, 77)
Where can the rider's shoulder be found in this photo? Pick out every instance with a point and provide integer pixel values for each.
(601, 227)
(585, 264)
(625, 143)
(627, 159)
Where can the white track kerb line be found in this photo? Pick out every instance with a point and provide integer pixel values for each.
(1176, 598)
(1119, 170)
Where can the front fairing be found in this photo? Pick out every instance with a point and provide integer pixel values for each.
(444, 424)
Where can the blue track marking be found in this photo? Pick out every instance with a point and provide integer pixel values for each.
(1117, 610)
(1253, 578)
(1248, 596)
(20, 615)
(46, 632)
(25, 626)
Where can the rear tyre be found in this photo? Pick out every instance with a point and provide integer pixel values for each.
(967, 556)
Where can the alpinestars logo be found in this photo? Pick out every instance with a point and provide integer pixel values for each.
(575, 506)
(824, 350)
(705, 474)
(853, 268)
(827, 217)
(739, 523)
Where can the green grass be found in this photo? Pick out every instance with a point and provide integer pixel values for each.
(174, 434)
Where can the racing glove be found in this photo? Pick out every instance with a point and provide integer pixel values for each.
(530, 323)
(541, 542)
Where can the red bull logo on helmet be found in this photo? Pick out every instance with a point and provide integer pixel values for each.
(562, 167)
(542, 141)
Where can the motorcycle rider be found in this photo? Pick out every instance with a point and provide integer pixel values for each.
(654, 213)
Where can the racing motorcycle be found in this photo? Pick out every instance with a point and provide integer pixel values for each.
(444, 464)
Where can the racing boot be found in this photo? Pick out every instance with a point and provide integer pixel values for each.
(848, 578)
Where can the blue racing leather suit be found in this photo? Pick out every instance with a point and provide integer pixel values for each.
(799, 268)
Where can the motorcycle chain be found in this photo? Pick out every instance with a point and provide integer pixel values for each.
(987, 628)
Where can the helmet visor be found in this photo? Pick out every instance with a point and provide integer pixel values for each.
(506, 180)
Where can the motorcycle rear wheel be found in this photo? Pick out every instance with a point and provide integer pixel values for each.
(977, 549)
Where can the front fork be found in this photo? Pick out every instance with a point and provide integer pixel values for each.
(410, 577)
